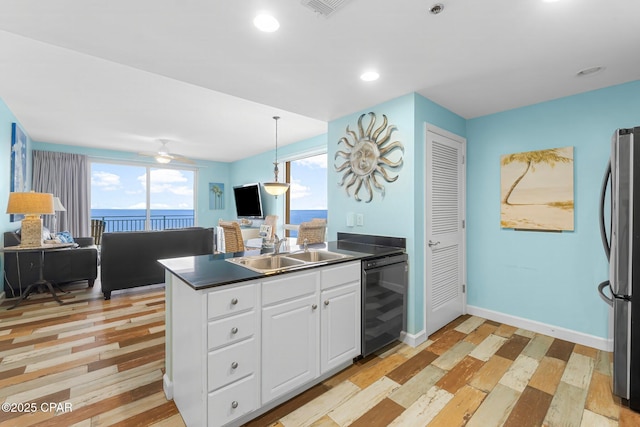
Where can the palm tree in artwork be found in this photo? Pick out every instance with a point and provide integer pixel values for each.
(531, 159)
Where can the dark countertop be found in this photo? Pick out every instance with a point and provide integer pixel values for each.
(207, 271)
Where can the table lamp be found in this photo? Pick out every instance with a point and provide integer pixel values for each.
(57, 207)
(31, 205)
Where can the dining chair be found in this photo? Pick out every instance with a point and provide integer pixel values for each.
(97, 228)
(313, 231)
(232, 236)
(271, 220)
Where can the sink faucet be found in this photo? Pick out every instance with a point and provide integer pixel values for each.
(305, 244)
(277, 242)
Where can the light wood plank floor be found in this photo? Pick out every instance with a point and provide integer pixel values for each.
(104, 360)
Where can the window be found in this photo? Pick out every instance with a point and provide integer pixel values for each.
(130, 197)
(307, 196)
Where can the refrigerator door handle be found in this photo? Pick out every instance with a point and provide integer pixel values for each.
(603, 231)
(605, 298)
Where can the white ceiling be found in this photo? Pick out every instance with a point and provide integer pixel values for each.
(120, 74)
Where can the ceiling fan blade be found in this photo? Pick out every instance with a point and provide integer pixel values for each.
(181, 159)
(148, 153)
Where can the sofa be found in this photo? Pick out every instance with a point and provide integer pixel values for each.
(60, 266)
(130, 259)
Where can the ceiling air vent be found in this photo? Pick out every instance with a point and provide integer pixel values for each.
(324, 7)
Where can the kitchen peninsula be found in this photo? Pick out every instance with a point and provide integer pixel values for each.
(241, 340)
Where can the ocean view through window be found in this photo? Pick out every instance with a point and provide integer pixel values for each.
(131, 197)
(307, 198)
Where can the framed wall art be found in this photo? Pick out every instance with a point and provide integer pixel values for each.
(18, 159)
(366, 157)
(216, 195)
(537, 190)
(18, 180)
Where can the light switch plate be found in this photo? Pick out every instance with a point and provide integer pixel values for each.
(360, 220)
(351, 219)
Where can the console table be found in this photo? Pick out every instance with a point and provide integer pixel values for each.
(41, 280)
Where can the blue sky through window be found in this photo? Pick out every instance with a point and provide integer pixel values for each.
(309, 183)
(118, 186)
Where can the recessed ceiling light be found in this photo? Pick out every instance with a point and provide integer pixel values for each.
(589, 71)
(267, 23)
(369, 76)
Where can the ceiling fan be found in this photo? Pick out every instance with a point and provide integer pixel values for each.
(164, 156)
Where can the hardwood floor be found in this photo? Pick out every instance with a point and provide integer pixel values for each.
(104, 360)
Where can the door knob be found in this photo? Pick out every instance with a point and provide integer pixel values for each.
(432, 243)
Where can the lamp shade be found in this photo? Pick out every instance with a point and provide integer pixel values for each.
(57, 205)
(275, 188)
(30, 203)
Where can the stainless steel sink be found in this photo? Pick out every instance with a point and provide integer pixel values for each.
(316, 256)
(270, 263)
(266, 263)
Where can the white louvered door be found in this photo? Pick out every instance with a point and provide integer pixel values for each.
(445, 240)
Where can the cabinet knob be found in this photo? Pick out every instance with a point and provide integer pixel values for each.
(326, 302)
(234, 330)
(234, 404)
(234, 365)
(314, 306)
(234, 301)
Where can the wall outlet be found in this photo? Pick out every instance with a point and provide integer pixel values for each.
(360, 220)
(351, 219)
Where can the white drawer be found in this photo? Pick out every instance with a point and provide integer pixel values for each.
(231, 363)
(289, 286)
(229, 403)
(229, 301)
(340, 274)
(231, 329)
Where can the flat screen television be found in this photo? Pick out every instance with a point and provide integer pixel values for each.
(248, 201)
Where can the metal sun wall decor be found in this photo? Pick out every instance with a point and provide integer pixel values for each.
(537, 190)
(366, 155)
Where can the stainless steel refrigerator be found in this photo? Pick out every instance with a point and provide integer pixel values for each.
(620, 240)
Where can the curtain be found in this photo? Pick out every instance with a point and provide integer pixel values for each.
(66, 176)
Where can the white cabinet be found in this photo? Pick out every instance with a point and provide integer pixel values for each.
(340, 337)
(232, 359)
(290, 321)
(241, 349)
(310, 325)
(289, 346)
(341, 304)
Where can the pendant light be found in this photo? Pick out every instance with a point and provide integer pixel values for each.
(276, 188)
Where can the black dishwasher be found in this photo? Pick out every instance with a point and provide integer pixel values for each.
(384, 296)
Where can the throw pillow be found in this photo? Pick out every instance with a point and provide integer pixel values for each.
(65, 237)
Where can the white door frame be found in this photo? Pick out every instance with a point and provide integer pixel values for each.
(463, 144)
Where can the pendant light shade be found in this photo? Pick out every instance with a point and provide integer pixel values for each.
(276, 188)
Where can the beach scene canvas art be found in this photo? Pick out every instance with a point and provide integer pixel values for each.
(537, 190)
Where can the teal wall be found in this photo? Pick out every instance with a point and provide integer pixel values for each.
(259, 168)
(207, 172)
(545, 277)
(401, 212)
(7, 118)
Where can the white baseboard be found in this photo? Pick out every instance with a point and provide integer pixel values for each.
(167, 386)
(413, 340)
(543, 328)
